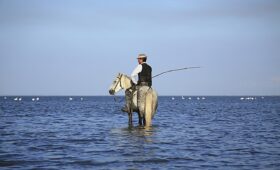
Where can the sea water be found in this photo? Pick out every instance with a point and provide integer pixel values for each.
(193, 132)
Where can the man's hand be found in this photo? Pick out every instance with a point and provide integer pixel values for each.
(133, 85)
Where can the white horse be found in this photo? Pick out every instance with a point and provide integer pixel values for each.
(150, 104)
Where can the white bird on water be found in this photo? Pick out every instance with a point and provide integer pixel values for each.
(33, 99)
(37, 98)
(173, 98)
(15, 99)
(183, 98)
(190, 98)
(19, 99)
(70, 98)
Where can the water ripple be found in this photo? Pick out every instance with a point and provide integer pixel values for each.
(216, 133)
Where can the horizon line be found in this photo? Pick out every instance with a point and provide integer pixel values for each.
(124, 95)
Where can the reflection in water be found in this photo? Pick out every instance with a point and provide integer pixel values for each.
(137, 133)
(136, 143)
(142, 131)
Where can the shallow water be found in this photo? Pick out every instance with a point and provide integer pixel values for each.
(215, 133)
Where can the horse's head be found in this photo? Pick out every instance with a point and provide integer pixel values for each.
(116, 85)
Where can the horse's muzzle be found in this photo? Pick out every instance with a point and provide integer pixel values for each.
(112, 92)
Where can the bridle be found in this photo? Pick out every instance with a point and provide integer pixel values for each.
(119, 81)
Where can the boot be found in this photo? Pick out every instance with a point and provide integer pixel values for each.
(125, 109)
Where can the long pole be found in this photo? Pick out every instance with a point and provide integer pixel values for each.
(174, 70)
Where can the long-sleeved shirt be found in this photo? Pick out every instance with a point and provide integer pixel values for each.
(135, 73)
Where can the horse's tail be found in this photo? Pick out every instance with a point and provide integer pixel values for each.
(151, 106)
(155, 103)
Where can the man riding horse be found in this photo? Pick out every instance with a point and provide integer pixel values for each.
(144, 83)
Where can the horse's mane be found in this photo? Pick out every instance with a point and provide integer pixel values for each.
(126, 76)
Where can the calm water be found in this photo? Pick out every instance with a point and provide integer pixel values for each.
(215, 133)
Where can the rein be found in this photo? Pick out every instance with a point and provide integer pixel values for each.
(119, 81)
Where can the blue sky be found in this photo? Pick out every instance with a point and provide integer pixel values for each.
(64, 47)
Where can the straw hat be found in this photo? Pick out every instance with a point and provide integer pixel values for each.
(142, 56)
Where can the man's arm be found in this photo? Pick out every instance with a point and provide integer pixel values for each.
(135, 72)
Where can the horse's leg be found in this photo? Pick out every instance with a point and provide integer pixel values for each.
(140, 104)
(139, 119)
(130, 117)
